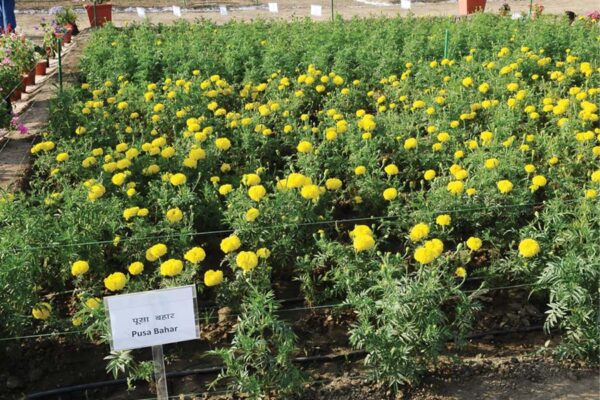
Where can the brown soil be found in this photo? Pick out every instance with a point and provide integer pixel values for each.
(509, 366)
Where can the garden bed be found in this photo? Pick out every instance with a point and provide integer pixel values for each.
(349, 165)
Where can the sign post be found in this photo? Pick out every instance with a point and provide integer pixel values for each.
(151, 319)
(160, 376)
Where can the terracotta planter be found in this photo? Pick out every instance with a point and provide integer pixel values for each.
(25, 81)
(103, 14)
(40, 68)
(32, 76)
(466, 7)
(16, 95)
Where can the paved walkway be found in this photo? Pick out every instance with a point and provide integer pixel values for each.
(15, 156)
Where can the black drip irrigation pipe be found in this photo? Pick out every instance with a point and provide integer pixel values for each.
(213, 370)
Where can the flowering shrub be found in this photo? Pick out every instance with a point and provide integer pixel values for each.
(350, 158)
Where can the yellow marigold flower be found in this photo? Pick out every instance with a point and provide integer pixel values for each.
(474, 243)
(467, 82)
(197, 154)
(529, 248)
(461, 272)
(391, 169)
(62, 157)
(410, 143)
(423, 255)
(223, 144)
(77, 321)
(174, 215)
(553, 161)
(130, 212)
(252, 214)
(213, 278)
(529, 168)
(504, 186)
(360, 170)
(246, 260)
(591, 193)
(156, 251)
(429, 175)
(171, 267)
(471, 191)
(443, 220)
(333, 183)
(305, 147)
(178, 179)
(41, 311)
(118, 179)
(257, 192)
(195, 255)
(225, 189)
(310, 192)
(296, 180)
(136, 268)
(167, 152)
(263, 252)
(363, 242)
(360, 230)
(596, 176)
(418, 232)
(79, 268)
(93, 303)
(115, 282)
(143, 212)
(537, 182)
(390, 194)
(456, 187)
(230, 243)
(250, 179)
(435, 246)
(225, 167)
(491, 163)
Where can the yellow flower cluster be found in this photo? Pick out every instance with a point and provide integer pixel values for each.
(115, 281)
(362, 238)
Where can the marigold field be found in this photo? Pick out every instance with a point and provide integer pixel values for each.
(349, 160)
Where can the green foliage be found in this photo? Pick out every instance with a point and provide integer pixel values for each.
(259, 360)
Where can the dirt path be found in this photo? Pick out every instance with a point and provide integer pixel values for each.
(289, 9)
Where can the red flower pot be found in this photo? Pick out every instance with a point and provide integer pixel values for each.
(26, 81)
(103, 14)
(16, 95)
(40, 68)
(466, 7)
(31, 77)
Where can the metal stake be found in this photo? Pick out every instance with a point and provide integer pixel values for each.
(332, 17)
(159, 373)
(60, 75)
(446, 44)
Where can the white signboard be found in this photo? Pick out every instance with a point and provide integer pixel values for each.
(152, 318)
(405, 4)
(141, 12)
(177, 11)
(223, 10)
(316, 11)
(273, 8)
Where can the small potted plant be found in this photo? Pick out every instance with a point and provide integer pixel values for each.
(467, 7)
(66, 17)
(99, 12)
